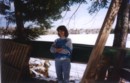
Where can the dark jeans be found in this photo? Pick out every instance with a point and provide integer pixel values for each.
(63, 70)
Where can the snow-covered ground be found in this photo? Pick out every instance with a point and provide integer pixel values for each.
(89, 39)
(76, 72)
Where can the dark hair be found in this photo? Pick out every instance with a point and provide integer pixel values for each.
(63, 28)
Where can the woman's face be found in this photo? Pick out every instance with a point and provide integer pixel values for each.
(61, 33)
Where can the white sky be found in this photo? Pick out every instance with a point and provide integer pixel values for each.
(82, 19)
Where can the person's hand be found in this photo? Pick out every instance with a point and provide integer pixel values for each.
(58, 50)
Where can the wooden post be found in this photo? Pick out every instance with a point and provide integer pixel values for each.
(90, 72)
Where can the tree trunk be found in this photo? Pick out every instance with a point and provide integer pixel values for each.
(19, 21)
(91, 70)
(121, 33)
(121, 29)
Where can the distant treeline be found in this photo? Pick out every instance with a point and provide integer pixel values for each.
(81, 31)
(41, 31)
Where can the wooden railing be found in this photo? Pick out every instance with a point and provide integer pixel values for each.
(15, 61)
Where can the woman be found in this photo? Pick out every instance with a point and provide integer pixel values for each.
(62, 49)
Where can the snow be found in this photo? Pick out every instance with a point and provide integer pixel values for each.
(88, 39)
(76, 71)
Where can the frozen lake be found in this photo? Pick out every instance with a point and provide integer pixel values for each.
(89, 39)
